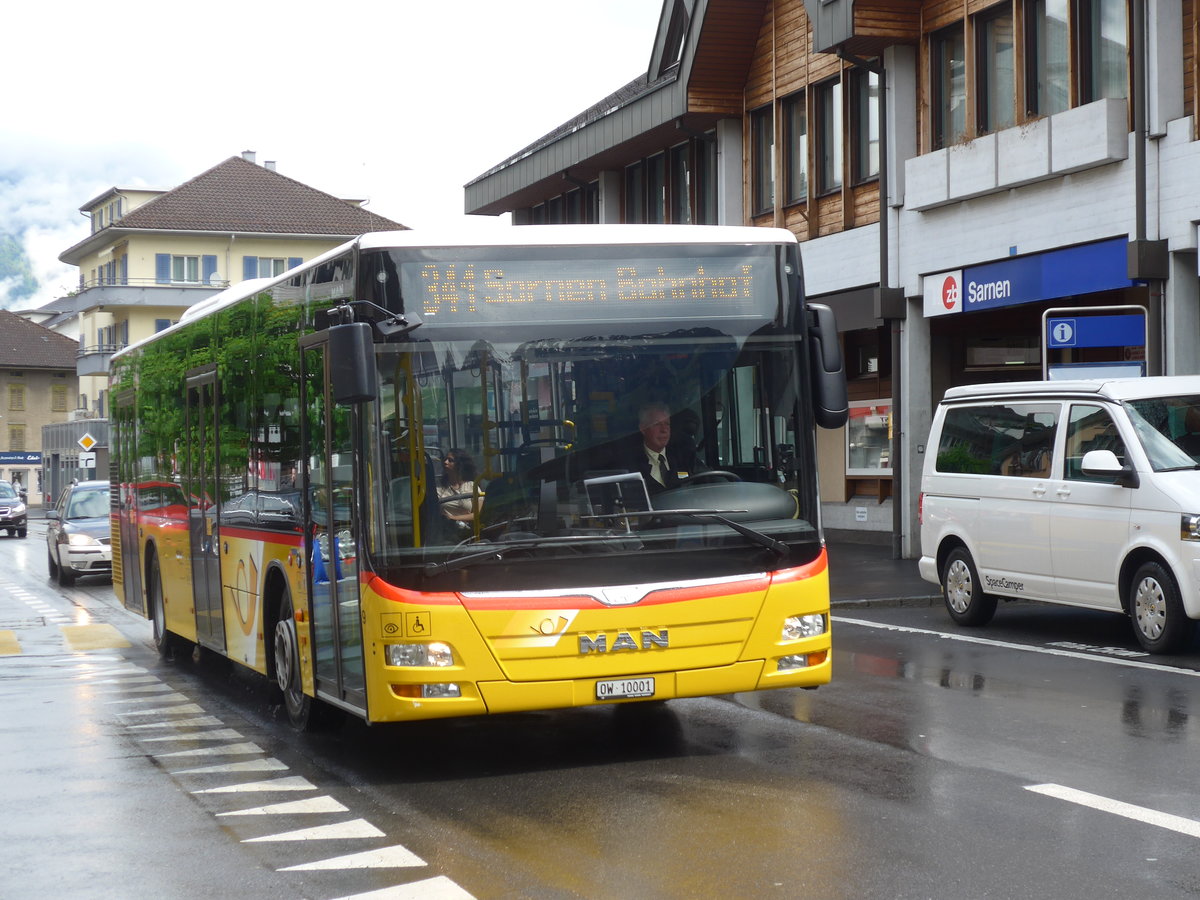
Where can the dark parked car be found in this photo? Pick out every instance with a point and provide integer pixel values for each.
(12, 510)
(78, 535)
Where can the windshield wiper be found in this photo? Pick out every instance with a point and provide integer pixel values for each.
(779, 548)
(498, 550)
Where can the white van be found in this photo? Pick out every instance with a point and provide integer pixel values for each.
(1085, 493)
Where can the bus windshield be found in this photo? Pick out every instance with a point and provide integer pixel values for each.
(513, 459)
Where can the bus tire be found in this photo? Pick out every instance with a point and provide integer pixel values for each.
(963, 591)
(1159, 622)
(288, 678)
(167, 644)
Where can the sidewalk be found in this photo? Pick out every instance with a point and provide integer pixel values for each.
(866, 574)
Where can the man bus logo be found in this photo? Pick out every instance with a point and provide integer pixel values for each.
(950, 292)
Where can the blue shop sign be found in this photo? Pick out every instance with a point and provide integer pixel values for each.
(1060, 273)
(20, 458)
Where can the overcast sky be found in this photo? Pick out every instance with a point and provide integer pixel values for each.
(400, 102)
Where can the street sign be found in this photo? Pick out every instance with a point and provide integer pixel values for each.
(87, 460)
(87, 442)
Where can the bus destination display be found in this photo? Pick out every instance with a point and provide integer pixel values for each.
(532, 290)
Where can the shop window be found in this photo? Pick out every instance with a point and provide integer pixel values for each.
(994, 72)
(762, 157)
(869, 438)
(1003, 352)
(795, 124)
(949, 86)
(830, 136)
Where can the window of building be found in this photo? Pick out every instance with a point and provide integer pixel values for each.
(161, 325)
(866, 124)
(949, 86)
(1103, 29)
(706, 179)
(681, 185)
(795, 135)
(270, 266)
(994, 69)
(656, 189)
(762, 156)
(830, 136)
(16, 396)
(635, 194)
(16, 438)
(1047, 57)
(869, 438)
(185, 269)
(58, 398)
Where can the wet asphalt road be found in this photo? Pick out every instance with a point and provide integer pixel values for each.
(1042, 756)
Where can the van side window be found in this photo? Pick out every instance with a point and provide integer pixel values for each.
(1090, 427)
(999, 439)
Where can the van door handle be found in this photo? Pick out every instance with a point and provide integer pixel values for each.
(1039, 490)
(1063, 492)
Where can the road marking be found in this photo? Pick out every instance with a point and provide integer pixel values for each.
(289, 783)
(253, 765)
(246, 748)
(440, 888)
(355, 829)
(93, 637)
(324, 804)
(1138, 813)
(1008, 645)
(221, 734)
(386, 858)
(9, 644)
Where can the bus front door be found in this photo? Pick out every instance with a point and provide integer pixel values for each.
(332, 539)
(204, 494)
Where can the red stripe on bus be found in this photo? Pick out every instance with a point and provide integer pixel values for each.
(287, 538)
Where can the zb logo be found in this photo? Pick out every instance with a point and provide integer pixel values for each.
(950, 292)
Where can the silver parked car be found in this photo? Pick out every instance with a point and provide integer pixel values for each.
(78, 537)
(12, 510)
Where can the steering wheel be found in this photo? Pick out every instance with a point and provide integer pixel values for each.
(709, 475)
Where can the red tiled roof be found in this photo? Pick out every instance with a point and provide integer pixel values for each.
(27, 345)
(240, 196)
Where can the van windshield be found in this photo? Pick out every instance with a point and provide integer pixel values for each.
(1169, 430)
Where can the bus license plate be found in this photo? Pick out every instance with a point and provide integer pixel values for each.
(624, 688)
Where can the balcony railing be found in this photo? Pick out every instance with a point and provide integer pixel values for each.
(103, 281)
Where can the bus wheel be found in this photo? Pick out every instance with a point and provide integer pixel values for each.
(287, 668)
(1159, 622)
(168, 645)
(963, 591)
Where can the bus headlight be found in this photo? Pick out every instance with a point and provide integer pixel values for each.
(796, 628)
(410, 655)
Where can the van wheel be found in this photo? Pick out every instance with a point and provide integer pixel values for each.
(963, 592)
(1159, 622)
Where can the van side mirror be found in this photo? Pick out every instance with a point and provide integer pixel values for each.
(828, 372)
(1104, 464)
(350, 358)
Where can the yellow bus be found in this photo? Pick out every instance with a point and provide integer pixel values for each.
(421, 477)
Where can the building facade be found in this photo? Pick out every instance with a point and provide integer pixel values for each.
(1036, 160)
(37, 389)
(152, 254)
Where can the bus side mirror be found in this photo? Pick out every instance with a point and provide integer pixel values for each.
(830, 399)
(350, 358)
